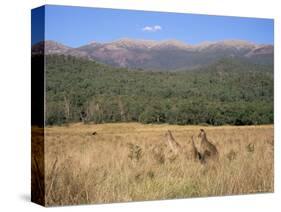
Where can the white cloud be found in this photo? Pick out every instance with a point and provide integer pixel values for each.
(152, 28)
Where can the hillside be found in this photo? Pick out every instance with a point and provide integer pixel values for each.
(226, 92)
(163, 55)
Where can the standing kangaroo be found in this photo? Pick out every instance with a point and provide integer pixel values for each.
(173, 144)
(195, 154)
(207, 149)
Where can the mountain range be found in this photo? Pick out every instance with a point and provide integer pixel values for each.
(161, 55)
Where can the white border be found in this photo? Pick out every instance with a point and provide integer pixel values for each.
(15, 102)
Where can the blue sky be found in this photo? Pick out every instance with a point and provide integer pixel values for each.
(76, 26)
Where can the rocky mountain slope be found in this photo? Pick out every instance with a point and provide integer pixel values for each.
(162, 55)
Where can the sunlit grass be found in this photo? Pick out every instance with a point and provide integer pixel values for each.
(119, 163)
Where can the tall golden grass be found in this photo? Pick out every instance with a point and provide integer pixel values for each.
(130, 162)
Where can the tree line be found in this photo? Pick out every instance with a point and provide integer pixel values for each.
(228, 92)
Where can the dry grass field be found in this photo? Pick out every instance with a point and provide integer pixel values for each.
(131, 162)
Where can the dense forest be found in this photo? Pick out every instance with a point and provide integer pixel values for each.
(226, 92)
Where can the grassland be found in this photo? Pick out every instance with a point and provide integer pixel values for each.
(130, 162)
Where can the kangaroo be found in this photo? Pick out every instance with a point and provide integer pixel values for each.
(175, 146)
(195, 154)
(207, 149)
